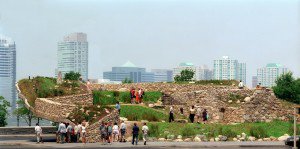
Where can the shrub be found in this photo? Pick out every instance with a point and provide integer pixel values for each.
(125, 97)
(152, 96)
(153, 130)
(227, 132)
(103, 98)
(74, 76)
(141, 113)
(188, 131)
(258, 132)
(116, 93)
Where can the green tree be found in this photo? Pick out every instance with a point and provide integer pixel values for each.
(287, 88)
(24, 113)
(73, 76)
(185, 75)
(127, 81)
(4, 104)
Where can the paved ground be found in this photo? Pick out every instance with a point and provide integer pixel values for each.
(28, 142)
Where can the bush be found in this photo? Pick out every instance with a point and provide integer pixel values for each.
(185, 75)
(229, 133)
(188, 131)
(258, 132)
(152, 96)
(74, 76)
(134, 113)
(125, 97)
(103, 98)
(153, 130)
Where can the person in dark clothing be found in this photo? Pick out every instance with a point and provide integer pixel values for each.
(171, 116)
(204, 116)
(135, 134)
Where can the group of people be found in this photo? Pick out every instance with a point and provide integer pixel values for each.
(136, 95)
(71, 133)
(192, 113)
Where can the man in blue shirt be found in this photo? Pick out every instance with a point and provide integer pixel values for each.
(135, 134)
(118, 107)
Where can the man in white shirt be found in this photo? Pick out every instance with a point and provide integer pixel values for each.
(62, 130)
(123, 131)
(241, 85)
(38, 131)
(171, 114)
(145, 130)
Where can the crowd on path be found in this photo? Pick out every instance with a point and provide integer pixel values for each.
(136, 95)
(68, 133)
(193, 112)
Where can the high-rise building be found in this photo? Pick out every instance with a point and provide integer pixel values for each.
(162, 75)
(229, 69)
(204, 73)
(8, 70)
(129, 71)
(254, 81)
(267, 76)
(183, 66)
(73, 55)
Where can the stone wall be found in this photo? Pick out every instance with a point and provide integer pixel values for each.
(93, 132)
(26, 130)
(240, 105)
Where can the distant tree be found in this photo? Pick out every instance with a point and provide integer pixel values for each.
(24, 113)
(126, 80)
(73, 76)
(185, 75)
(4, 104)
(287, 88)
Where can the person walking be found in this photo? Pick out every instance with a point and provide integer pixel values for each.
(204, 116)
(123, 131)
(192, 114)
(135, 134)
(137, 96)
(62, 130)
(115, 132)
(83, 131)
(77, 128)
(109, 132)
(132, 95)
(38, 131)
(69, 132)
(118, 107)
(103, 132)
(145, 130)
(171, 114)
(198, 114)
(142, 93)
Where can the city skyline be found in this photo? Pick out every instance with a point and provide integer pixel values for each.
(151, 37)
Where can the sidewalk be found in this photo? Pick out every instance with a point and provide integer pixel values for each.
(150, 144)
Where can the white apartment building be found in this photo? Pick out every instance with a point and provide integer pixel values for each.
(267, 76)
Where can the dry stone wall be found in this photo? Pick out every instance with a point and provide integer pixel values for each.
(240, 105)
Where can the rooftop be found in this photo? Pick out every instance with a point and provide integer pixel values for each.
(186, 64)
(128, 64)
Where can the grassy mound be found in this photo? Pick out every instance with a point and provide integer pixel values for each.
(45, 87)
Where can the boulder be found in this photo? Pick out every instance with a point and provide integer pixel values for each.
(144, 121)
(266, 139)
(283, 138)
(250, 138)
(151, 105)
(247, 99)
(172, 137)
(229, 101)
(223, 138)
(260, 140)
(179, 137)
(273, 138)
(123, 119)
(188, 140)
(197, 139)
(161, 139)
(217, 139)
(123, 90)
(211, 140)
(234, 139)
(178, 140)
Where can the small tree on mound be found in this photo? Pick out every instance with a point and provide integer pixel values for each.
(73, 76)
(185, 75)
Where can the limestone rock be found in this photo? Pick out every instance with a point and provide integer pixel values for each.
(123, 119)
(178, 140)
(179, 137)
(247, 99)
(234, 139)
(266, 139)
(161, 139)
(283, 138)
(273, 138)
(217, 139)
(188, 140)
(151, 105)
(250, 138)
(211, 140)
(197, 139)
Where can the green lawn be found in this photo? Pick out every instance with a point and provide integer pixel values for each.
(137, 113)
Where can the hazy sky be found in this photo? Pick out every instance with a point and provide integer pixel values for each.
(154, 33)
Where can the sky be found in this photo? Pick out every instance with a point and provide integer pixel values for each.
(154, 33)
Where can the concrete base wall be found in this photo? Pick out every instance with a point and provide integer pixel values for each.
(26, 130)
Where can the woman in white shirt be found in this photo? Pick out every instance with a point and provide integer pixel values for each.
(115, 132)
(83, 131)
